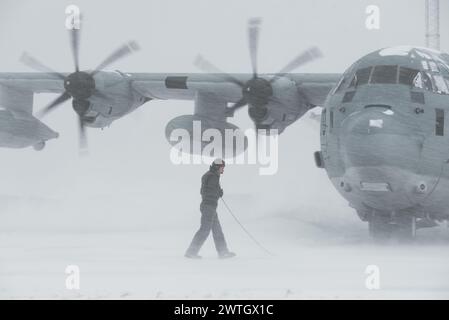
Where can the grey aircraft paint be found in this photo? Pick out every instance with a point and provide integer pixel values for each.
(385, 150)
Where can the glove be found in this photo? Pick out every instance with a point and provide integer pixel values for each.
(220, 193)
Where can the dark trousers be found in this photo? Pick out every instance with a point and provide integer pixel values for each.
(209, 222)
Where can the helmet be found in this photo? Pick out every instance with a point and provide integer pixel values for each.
(217, 163)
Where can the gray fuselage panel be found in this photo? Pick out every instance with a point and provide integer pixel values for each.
(384, 141)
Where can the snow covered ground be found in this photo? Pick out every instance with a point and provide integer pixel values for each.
(318, 254)
(125, 215)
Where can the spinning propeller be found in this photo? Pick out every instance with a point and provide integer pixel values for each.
(257, 92)
(79, 85)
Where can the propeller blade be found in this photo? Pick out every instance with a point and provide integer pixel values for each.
(121, 52)
(38, 66)
(253, 41)
(82, 135)
(59, 100)
(239, 104)
(303, 58)
(74, 42)
(206, 66)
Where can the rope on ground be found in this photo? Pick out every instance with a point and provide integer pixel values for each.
(246, 231)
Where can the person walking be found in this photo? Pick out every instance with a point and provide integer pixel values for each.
(211, 191)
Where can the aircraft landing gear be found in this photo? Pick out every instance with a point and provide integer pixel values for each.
(379, 226)
(383, 226)
(406, 227)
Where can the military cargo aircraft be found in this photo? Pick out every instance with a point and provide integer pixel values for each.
(383, 134)
(383, 139)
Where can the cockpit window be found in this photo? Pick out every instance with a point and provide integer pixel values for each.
(440, 84)
(417, 79)
(434, 77)
(422, 81)
(444, 72)
(361, 77)
(340, 85)
(384, 74)
(407, 75)
(433, 66)
(343, 83)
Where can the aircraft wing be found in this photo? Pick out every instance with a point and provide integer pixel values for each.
(314, 86)
(291, 97)
(16, 89)
(116, 94)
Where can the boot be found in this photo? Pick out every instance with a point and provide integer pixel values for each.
(192, 256)
(226, 255)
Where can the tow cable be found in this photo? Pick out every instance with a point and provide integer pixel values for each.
(246, 231)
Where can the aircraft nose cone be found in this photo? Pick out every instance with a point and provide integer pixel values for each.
(381, 153)
(380, 137)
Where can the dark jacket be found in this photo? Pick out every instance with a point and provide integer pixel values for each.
(210, 187)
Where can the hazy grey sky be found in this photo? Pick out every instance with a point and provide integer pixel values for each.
(133, 153)
(172, 32)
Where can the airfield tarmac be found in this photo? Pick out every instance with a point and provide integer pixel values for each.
(312, 259)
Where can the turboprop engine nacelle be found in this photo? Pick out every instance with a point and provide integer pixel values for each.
(200, 135)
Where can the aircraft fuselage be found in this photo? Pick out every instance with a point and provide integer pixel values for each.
(385, 137)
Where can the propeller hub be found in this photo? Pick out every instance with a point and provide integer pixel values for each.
(258, 114)
(257, 91)
(80, 106)
(80, 85)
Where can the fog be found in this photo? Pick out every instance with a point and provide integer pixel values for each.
(125, 213)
